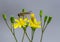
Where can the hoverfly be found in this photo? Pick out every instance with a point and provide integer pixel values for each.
(24, 13)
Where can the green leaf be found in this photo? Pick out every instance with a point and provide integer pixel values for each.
(12, 19)
(45, 19)
(41, 13)
(49, 20)
(4, 16)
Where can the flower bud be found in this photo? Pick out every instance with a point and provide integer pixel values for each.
(4, 16)
(41, 13)
(49, 20)
(23, 10)
(45, 19)
(12, 19)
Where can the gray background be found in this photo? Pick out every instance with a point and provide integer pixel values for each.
(49, 7)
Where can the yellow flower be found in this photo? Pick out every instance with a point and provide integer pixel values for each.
(20, 23)
(33, 22)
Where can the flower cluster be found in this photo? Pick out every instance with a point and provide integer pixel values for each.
(24, 22)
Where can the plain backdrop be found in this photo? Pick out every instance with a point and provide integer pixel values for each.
(13, 7)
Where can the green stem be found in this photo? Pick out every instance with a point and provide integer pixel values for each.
(14, 35)
(41, 21)
(41, 36)
(27, 36)
(8, 25)
(15, 38)
(45, 28)
(41, 30)
(11, 31)
(32, 36)
(23, 36)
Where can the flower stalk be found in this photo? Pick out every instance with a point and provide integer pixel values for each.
(25, 33)
(23, 37)
(41, 36)
(11, 31)
(27, 36)
(44, 26)
(32, 35)
(4, 17)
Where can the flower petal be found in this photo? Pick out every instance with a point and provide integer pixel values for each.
(15, 25)
(25, 19)
(16, 20)
(32, 15)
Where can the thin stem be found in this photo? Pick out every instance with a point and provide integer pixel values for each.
(41, 21)
(41, 36)
(8, 25)
(14, 35)
(32, 36)
(23, 37)
(45, 28)
(41, 30)
(27, 36)
(15, 38)
(11, 31)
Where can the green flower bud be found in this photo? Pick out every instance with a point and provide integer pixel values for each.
(4, 16)
(41, 13)
(45, 19)
(49, 20)
(12, 19)
(23, 10)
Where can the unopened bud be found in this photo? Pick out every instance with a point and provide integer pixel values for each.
(41, 13)
(12, 19)
(23, 10)
(45, 19)
(49, 19)
(4, 16)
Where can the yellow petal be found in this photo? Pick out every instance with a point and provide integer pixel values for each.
(20, 26)
(32, 15)
(25, 19)
(15, 25)
(39, 22)
(20, 19)
(35, 20)
(16, 20)
(34, 24)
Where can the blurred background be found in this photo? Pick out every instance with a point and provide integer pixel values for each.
(13, 7)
